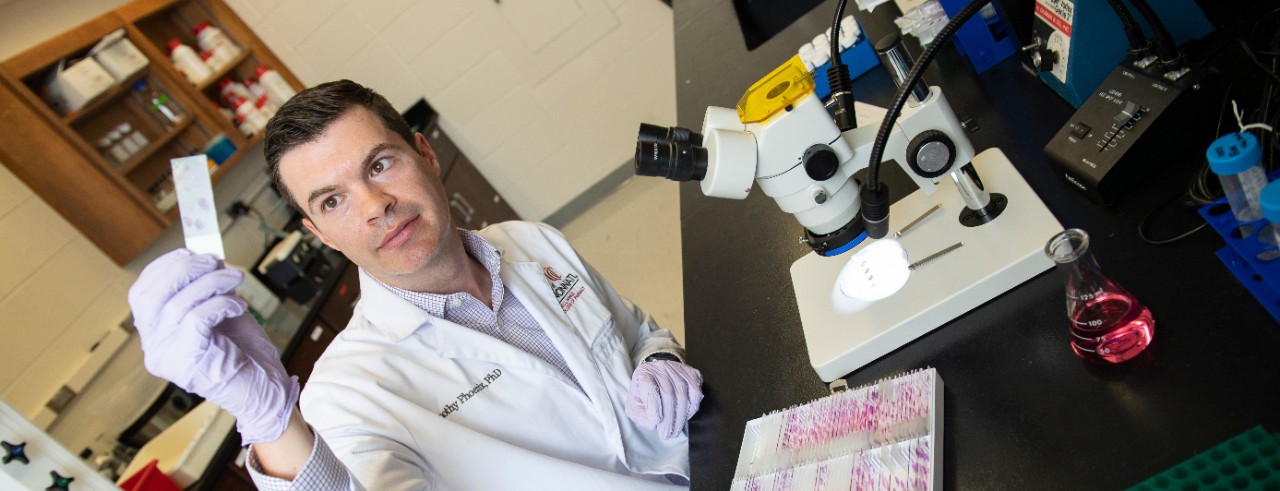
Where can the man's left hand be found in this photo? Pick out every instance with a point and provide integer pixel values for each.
(664, 395)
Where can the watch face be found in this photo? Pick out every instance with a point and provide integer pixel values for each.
(661, 356)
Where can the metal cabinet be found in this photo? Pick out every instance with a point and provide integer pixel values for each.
(473, 202)
(446, 150)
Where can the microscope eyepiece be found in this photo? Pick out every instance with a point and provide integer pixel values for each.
(674, 153)
(652, 133)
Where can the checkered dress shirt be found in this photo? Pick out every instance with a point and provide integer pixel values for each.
(508, 320)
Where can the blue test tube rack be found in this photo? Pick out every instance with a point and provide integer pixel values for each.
(859, 58)
(984, 41)
(1254, 263)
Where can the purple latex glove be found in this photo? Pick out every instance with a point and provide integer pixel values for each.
(664, 395)
(197, 334)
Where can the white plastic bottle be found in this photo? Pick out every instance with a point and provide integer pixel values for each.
(266, 107)
(263, 100)
(209, 61)
(107, 145)
(248, 112)
(139, 140)
(254, 87)
(246, 129)
(122, 138)
(278, 89)
(228, 89)
(212, 39)
(188, 62)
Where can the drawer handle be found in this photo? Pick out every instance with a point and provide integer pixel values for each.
(463, 207)
(316, 333)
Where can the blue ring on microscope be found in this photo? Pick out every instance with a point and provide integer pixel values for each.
(845, 248)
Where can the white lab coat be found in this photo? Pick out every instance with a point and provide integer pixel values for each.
(407, 401)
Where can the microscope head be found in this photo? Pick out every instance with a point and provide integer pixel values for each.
(779, 136)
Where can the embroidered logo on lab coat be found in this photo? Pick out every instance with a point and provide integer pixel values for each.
(566, 288)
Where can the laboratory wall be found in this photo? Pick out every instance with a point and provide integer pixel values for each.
(544, 96)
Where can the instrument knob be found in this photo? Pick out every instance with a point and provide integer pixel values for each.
(931, 153)
(820, 162)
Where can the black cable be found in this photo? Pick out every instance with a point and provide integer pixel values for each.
(1164, 42)
(1137, 43)
(839, 81)
(1202, 189)
(1256, 23)
(1249, 52)
(875, 196)
(1199, 190)
(1142, 234)
(913, 77)
(835, 36)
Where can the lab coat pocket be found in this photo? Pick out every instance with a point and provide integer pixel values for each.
(609, 353)
(607, 343)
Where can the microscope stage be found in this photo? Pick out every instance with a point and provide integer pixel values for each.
(843, 334)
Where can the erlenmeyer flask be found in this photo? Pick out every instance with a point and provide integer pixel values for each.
(1107, 323)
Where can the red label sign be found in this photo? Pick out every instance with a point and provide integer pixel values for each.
(1053, 19)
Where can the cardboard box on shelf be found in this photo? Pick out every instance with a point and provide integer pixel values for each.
(118, 55)
(70, 88)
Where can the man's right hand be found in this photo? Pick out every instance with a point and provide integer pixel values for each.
(197, 334)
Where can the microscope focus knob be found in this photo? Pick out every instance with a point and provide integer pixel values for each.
(931, 153)
(820, 162)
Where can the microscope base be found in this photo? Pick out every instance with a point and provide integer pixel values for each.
(843, 334)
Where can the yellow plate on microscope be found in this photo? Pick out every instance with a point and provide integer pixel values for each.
(777, 90)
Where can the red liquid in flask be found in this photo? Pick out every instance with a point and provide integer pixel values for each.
(1111, 327)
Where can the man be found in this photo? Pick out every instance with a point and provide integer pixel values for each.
(475, 360)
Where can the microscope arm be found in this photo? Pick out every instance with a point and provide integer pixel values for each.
(927, 141)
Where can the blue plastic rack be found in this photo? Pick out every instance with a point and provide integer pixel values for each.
(1254, 263)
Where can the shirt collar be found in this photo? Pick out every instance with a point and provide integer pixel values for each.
(437, 304)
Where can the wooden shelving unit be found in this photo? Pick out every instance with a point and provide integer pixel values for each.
(115, 203)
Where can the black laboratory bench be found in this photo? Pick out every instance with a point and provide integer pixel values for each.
(1021, 411)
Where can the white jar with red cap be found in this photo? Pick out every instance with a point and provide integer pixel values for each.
(278, 89)
(264, 102)
(248, 112)
(266, 107)
(213, 40)
(228, 88)
(188, 62)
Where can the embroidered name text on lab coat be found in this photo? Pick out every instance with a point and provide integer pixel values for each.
(465, 396)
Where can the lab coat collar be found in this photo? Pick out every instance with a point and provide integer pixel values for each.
(395, 317)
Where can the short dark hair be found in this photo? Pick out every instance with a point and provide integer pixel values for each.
(305, 116)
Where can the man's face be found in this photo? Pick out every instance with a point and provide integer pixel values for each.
(371, 195)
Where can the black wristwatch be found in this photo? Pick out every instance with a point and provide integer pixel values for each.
(662, 355)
